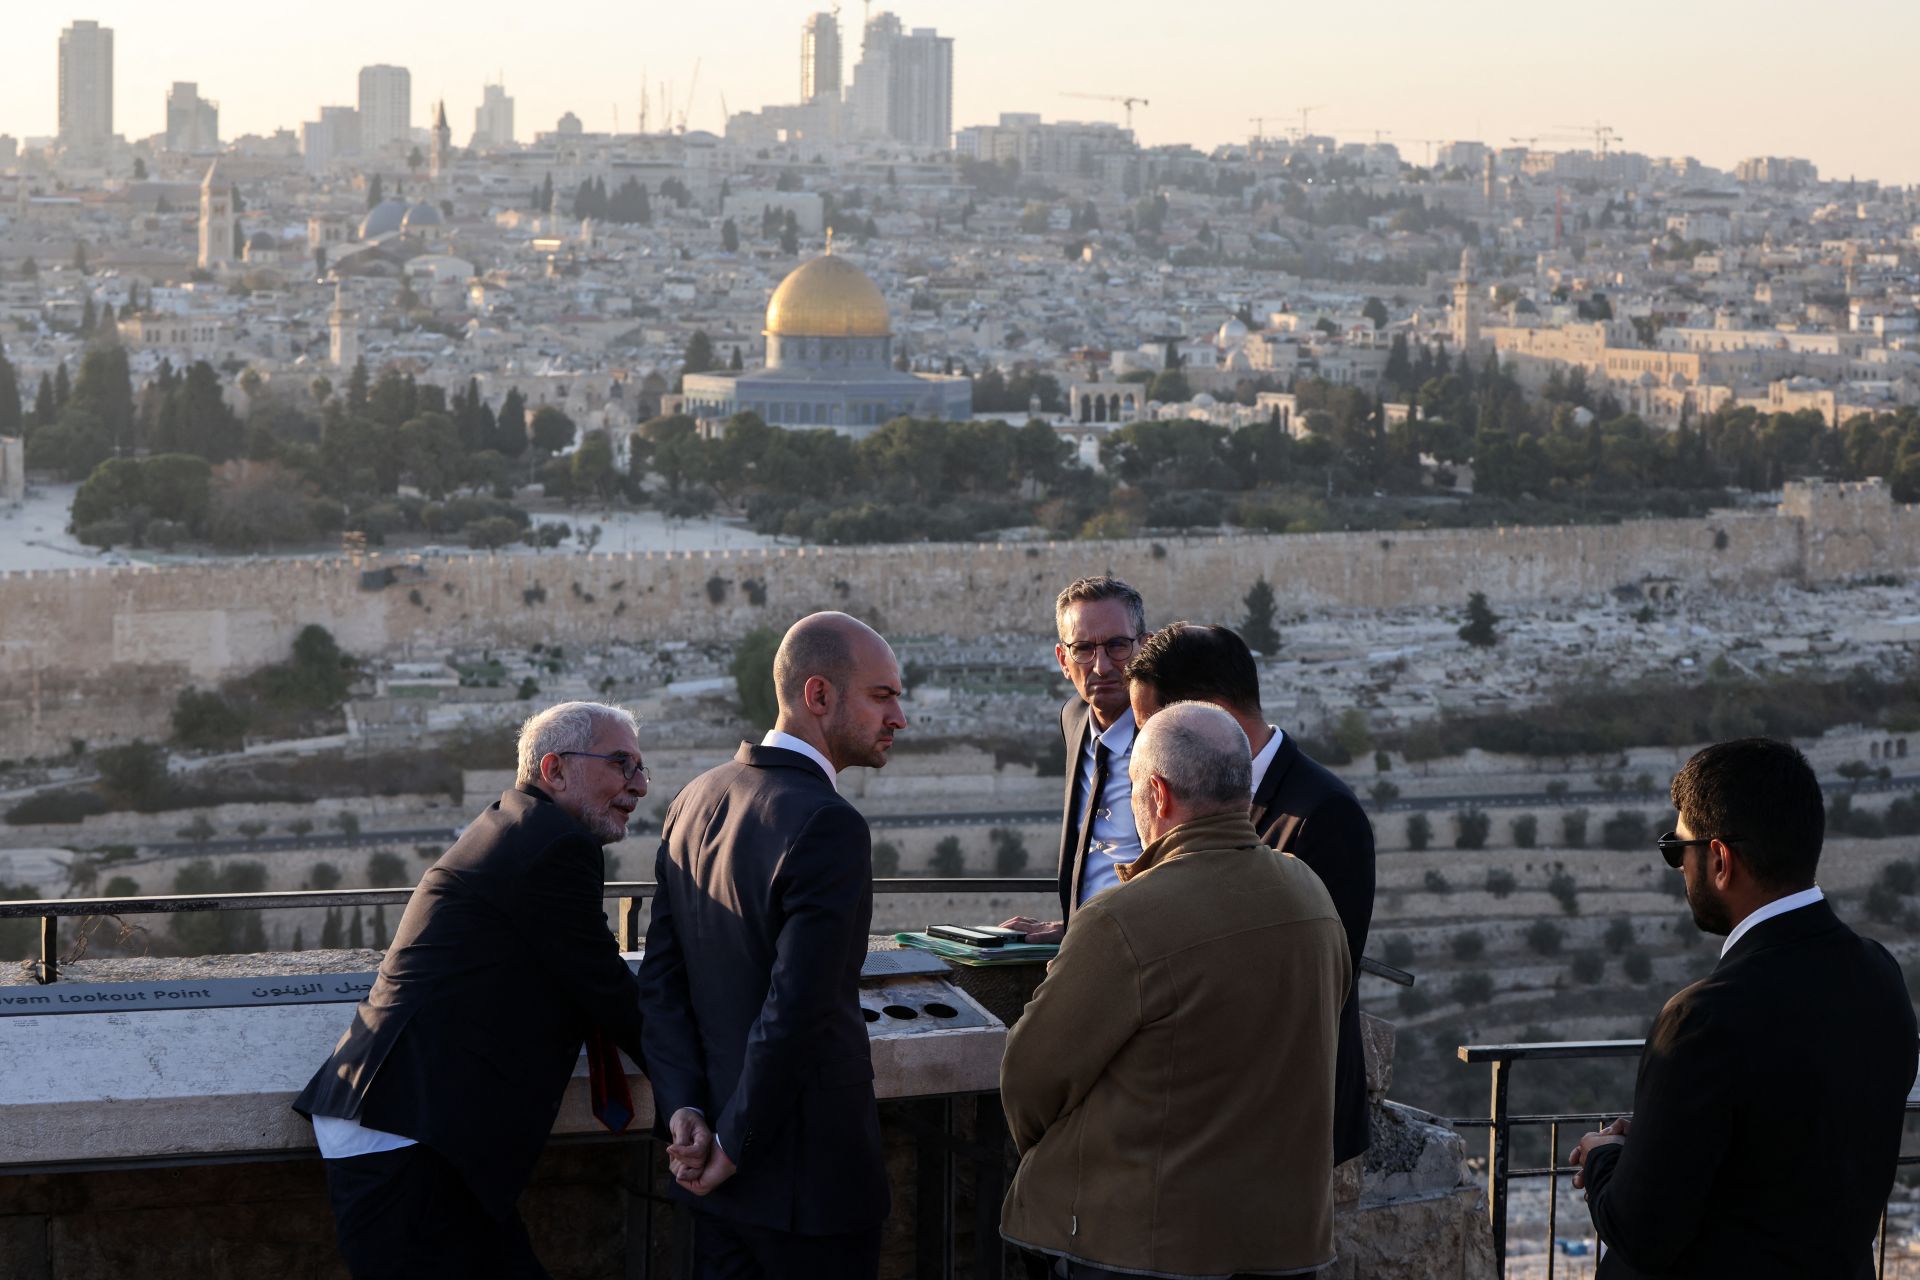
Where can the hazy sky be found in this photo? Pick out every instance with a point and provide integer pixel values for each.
(1716, 79)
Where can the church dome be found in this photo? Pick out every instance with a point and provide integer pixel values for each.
(421, 215)
(383, 219)
(828, 297)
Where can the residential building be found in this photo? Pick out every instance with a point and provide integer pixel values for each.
(86, 87)
(193, 123)
(820, 57)
(386, 106)
(493, 119)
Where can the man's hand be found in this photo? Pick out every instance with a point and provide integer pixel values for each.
(691, 1146)
(718, 1170)
(1037, 930)
(1613, 1134)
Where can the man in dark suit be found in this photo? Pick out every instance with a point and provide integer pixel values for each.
(752, 973)
(438, 1099)
(1771, 1095)
(1299, 807)
(1100, 622)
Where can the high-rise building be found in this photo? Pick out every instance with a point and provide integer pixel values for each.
(86, 86)
(870, 97)
(903, 85)
(193, 123)
(923, 89)
(820, 57)
(334, 136)
(386, 107)
(493, 118)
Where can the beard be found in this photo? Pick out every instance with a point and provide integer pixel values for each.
(1710, 911)
(609, 826)
(849, 744)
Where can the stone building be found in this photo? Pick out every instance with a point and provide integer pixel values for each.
(829, 362)
(13, 470)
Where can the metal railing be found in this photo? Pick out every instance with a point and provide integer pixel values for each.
(1500, 1124)
(629, 929)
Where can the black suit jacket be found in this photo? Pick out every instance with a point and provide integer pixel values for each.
(1767, 1114)
(1301, 808)
(751, 985)
(1076, 727)
(501, 965)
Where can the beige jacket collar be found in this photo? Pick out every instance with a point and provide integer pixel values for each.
(1230, 830)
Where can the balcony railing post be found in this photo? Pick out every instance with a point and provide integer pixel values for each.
(1553, 1193)
(630, 926)
(1497, 1164)
(49, 948)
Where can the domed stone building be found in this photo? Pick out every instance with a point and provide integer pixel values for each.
(829, 362)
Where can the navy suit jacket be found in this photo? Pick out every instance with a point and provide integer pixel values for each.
(500, 967)
(1301, 808)
(1767, 1114)
(751, 984)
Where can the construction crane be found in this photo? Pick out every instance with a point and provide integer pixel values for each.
(1602, 134)
(682, 126)
(1431, 143)
(1126, 101)
(1306, 118)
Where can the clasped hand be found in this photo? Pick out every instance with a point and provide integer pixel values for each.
(1609, 1136)
(694, 1157)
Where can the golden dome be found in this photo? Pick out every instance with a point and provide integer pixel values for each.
(828, 297)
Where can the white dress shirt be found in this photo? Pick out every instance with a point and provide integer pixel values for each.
(339, 1139)
(1114, 839)
(1264, 761)
(1778, 907)
(788, 742)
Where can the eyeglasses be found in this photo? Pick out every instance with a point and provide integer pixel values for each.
(1674, 850)
(626, 764)
(1118, 649)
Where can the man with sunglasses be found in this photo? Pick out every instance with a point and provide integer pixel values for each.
(1771, 1095)
(1100, 622)
(437, 1101)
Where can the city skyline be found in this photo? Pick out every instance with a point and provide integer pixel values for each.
(1709, 80)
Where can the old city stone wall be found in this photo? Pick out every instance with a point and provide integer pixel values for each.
(73, 639)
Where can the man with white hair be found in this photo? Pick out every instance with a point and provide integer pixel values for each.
(437, 1101)
(1183, 1038)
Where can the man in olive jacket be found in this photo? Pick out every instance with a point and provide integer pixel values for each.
(1148, 1146)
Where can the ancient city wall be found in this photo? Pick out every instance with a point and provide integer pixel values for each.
(68, 637)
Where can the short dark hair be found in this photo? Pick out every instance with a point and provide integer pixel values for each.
(1089, 590)
(1194, 662)
(1759, 796)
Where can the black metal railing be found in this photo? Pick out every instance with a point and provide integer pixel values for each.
(1500, 1124)
(629, 926)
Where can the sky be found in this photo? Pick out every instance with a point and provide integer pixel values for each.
(1714, 79)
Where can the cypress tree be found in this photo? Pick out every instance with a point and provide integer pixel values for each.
(9, 396)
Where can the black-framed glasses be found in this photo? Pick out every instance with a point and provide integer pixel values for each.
(1674, 850)
(626, 764)
(1118, 649)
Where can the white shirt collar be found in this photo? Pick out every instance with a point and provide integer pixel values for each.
(788, 742)
(1118, 736)
(1778, 907)
(1264, 761)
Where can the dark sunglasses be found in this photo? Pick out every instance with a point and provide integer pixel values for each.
(1674, 850)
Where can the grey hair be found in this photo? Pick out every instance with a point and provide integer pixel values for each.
(1201, 754)
(1090, 590)
(566, 726)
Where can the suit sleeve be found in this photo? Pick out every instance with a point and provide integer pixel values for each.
(1648, 1195)
(823, 891)
(570, 940)
(1083, 1012)
(1336, 841)
(676, 1065)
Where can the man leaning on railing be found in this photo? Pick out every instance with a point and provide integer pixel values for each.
(1771, 1095)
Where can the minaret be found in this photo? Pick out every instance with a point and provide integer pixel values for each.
(216, 220)
(1466, 308)
(345, 330)
(442, 141)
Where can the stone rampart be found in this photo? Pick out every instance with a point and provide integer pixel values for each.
(65, 632)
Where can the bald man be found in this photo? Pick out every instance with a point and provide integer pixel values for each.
(755, 1044)
(1184, 1037)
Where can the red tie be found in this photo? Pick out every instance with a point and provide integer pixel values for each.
(607, 1084)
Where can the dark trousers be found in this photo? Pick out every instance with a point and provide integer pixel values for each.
(408, 1215)
(733, 1251)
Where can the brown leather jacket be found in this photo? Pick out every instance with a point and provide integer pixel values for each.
(1170, 1086)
